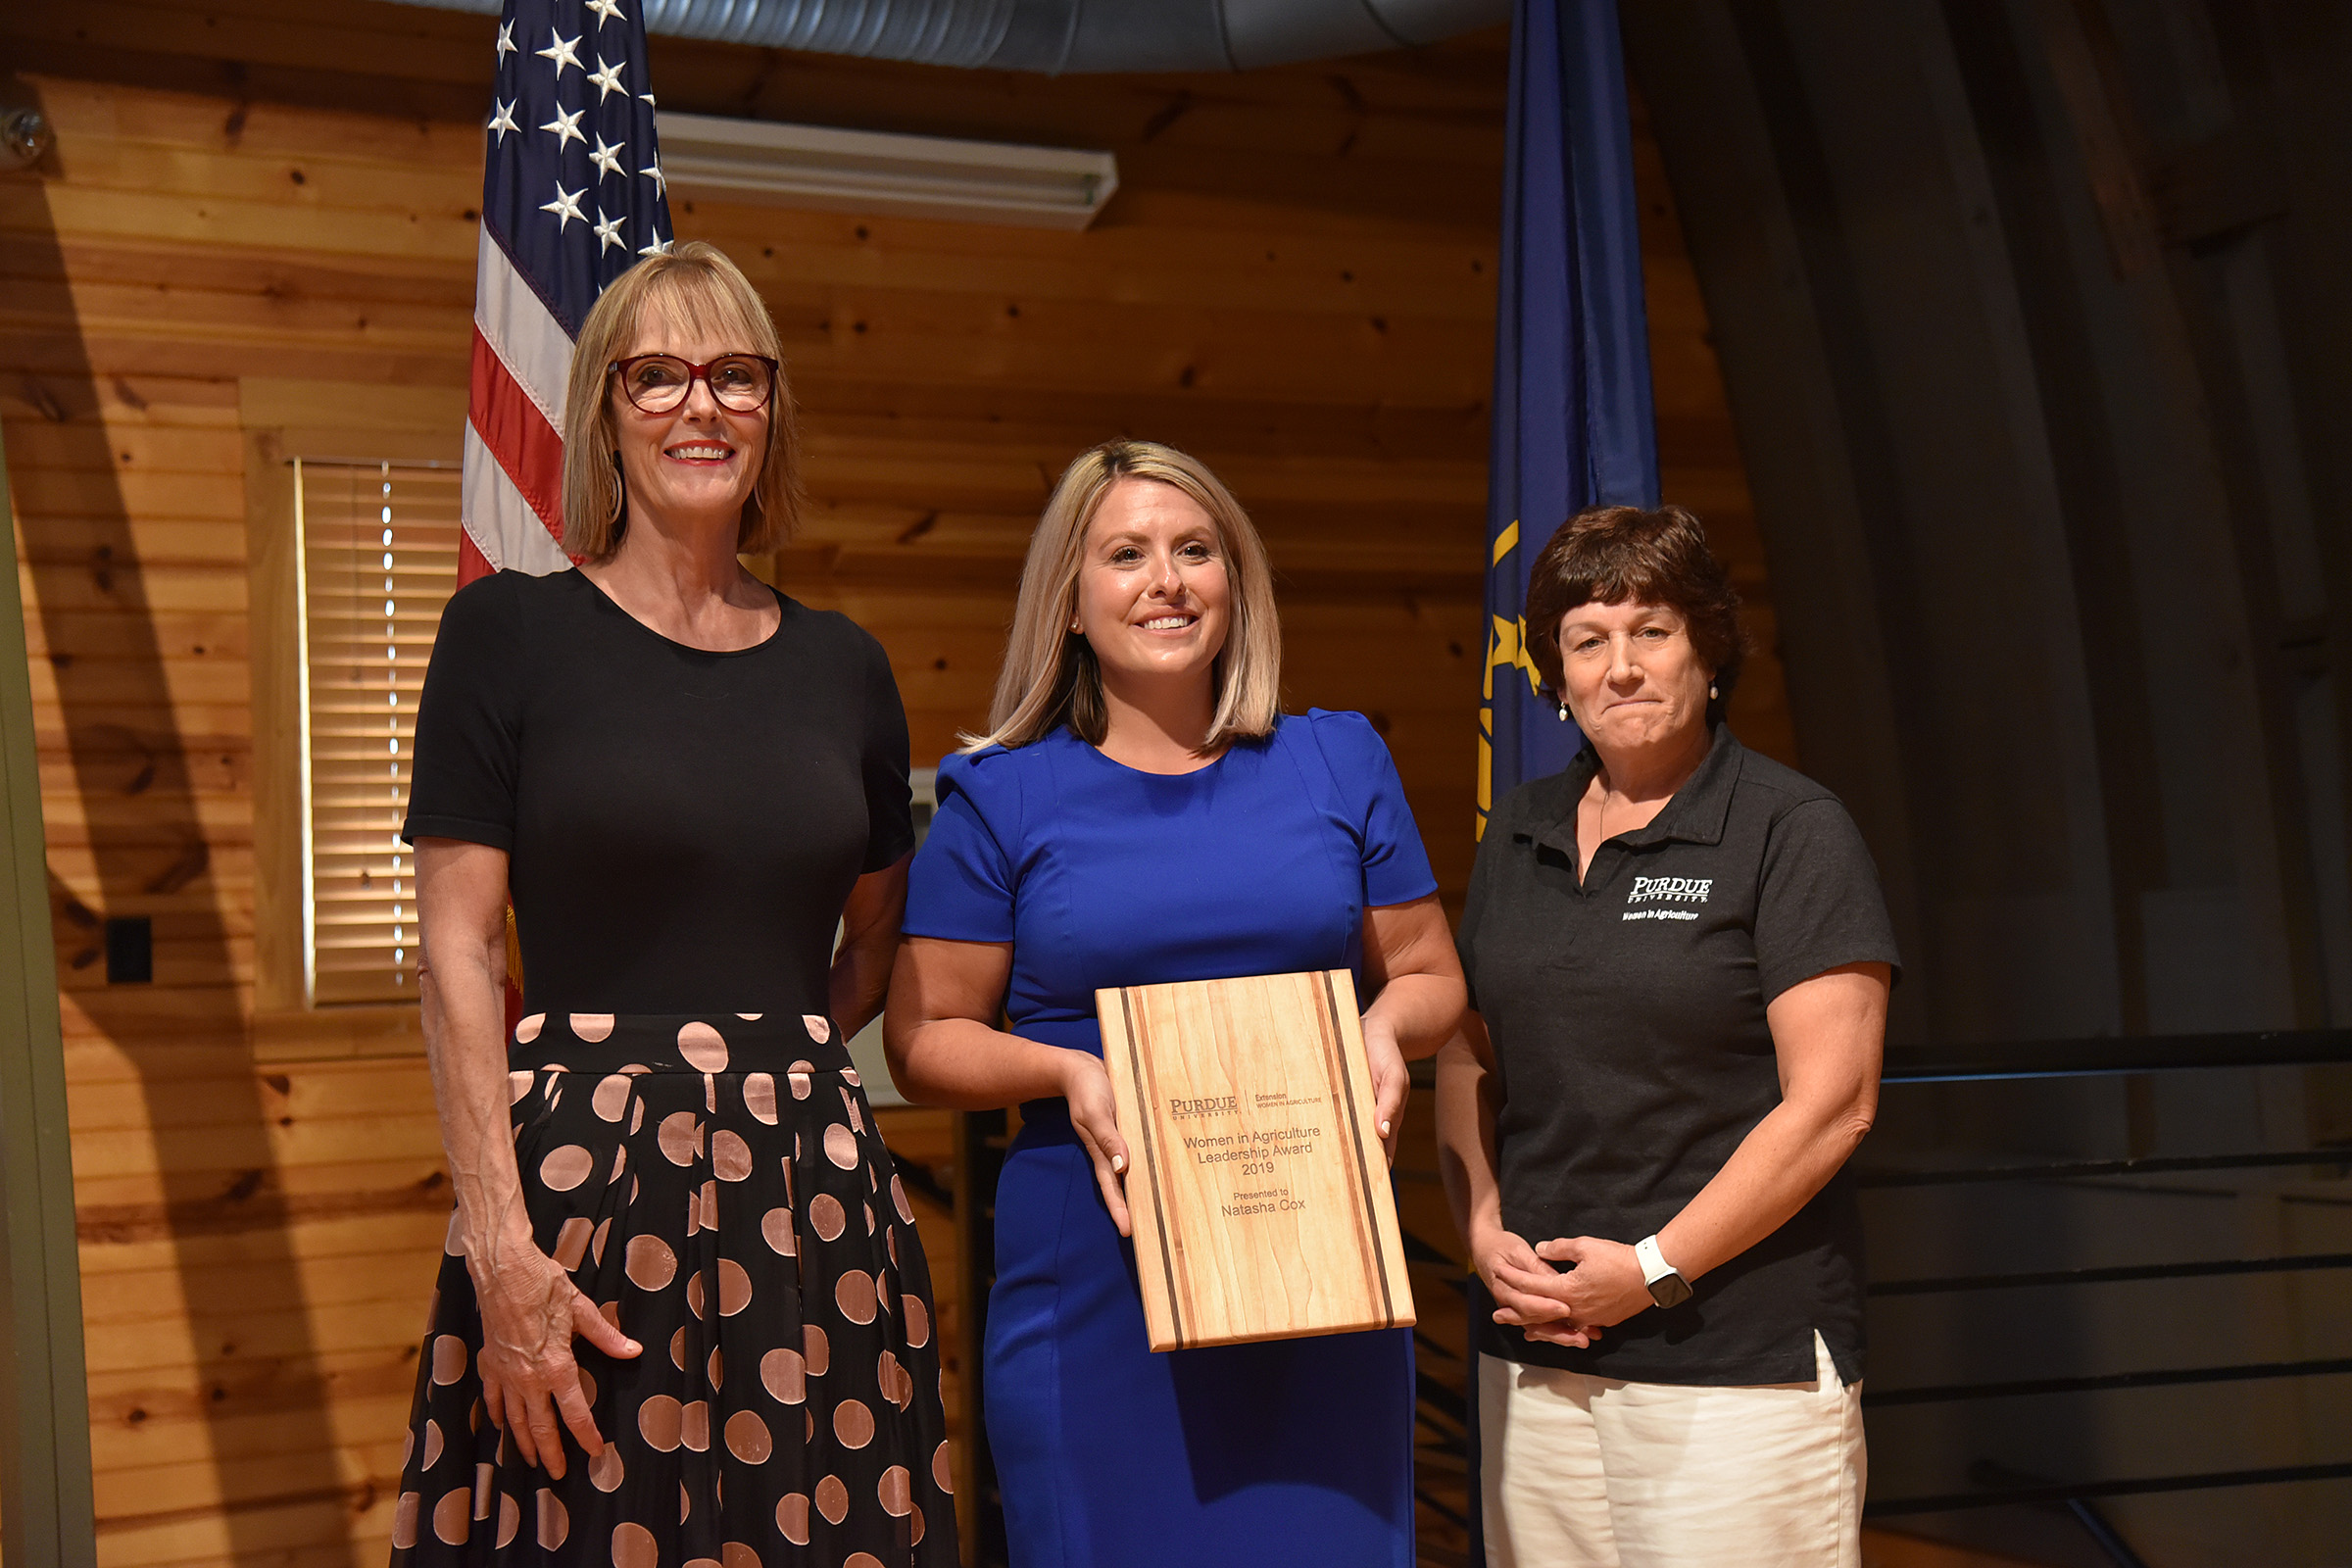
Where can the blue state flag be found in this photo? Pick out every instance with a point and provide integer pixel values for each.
(1573, 424)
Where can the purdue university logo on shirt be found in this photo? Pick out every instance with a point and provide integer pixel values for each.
(1668, 890)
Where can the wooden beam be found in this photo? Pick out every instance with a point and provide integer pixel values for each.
(45, 1497)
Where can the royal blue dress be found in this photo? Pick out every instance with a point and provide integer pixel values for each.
(1293, 1451)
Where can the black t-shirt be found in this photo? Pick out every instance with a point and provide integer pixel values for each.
(1628, 1021)
(683, 825)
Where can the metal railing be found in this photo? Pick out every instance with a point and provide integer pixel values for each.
(1996, 1484)
(1442, 1411)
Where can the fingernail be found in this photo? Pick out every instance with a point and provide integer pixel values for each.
(1384, 1129)
(1118, 1164)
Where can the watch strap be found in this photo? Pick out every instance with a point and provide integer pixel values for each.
(1667, 1287)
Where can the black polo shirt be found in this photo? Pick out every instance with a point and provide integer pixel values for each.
(1628, 1021)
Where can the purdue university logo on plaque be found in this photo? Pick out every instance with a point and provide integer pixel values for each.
(1255, 1175)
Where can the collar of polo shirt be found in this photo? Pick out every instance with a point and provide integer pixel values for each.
(1695, 814)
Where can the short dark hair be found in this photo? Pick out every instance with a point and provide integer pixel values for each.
(1609, 554)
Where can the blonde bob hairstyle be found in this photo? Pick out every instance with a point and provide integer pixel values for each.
(1050, 676)
(703, 294)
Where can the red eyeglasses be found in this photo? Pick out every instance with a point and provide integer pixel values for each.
(659, 382)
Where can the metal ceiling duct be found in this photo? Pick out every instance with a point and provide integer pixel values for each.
(1066, 36)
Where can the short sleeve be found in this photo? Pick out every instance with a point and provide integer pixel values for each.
(889, 802)
(1474, 907)
(962, 883)
(1395, 865)
(469, 720)
(1818, 905)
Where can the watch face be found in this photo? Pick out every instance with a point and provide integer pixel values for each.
(1669, 1289)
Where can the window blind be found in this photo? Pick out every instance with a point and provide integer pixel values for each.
(379, 559)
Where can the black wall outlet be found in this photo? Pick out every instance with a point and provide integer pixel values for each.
(129, 950)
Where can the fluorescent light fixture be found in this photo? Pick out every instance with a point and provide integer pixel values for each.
(877, 171)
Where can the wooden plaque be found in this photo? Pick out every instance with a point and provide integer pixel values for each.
(1255, 1178)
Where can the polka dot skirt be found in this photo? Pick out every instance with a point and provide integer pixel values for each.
(717, 1187)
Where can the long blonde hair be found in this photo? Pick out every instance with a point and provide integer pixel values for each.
(1050, 677)
(705, 294)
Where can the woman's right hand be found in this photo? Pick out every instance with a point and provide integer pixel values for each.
(1093, 1112)
(1525, 1290)
(530, 1312)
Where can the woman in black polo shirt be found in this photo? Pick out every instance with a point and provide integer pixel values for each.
(1679, 961)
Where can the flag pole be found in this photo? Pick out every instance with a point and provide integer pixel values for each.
(1573, 420)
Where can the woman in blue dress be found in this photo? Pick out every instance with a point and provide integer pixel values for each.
(1142, 812)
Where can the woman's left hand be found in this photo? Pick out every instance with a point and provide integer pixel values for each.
(1606, 1285)
(1392, 1083)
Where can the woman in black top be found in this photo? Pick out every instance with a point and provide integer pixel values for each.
(684, 1316)
(1679, 965)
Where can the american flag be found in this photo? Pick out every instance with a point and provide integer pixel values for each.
(573, 196)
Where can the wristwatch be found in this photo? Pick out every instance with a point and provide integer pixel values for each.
(1666, 1286)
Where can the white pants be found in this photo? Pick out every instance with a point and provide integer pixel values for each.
(1586, 1472)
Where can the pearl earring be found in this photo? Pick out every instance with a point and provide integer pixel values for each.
(1712, 693)
(1563, 712)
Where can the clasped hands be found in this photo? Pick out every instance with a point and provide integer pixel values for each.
(1571, 1307)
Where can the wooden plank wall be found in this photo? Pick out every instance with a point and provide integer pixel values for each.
(1296, 281)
